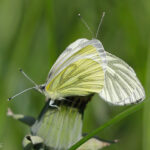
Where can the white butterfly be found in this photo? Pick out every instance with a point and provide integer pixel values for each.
(85, 68)
(121, 85)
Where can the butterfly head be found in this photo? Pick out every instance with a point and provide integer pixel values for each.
(41, 88)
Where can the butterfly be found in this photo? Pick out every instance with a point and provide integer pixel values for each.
(85, 68)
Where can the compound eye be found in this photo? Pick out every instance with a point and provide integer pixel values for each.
(42, 87)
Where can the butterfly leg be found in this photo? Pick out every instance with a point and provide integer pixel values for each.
(51, 104)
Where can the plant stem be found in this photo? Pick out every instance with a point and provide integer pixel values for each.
(117, 118)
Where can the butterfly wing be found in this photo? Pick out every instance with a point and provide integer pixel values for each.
(71, 49)
(69, 54)
(121, 83)
(78, 71)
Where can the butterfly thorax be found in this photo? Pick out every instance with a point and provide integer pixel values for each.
(54, 95)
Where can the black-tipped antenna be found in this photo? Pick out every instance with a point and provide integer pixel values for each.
(21, 93)
(86, 25)
(101, 20)
(25, 75)
(35, 87)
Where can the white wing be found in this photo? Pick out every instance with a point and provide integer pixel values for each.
(121, 83)
(66, 58)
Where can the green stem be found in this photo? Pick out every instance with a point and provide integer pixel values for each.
(107, 124)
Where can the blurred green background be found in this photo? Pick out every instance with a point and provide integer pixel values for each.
(32, 35)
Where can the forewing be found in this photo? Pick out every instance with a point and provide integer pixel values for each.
(71, 49)
(121, 83)
(81, 78)
(73, 53)
(80, 74)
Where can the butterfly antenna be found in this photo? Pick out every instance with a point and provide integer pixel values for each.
(21, 93)
(100, 23)
(85, 23)
(26, 76)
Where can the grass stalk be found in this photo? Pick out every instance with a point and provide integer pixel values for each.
(114, 120)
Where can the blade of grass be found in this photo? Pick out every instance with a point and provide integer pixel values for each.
(114, 120)
(146, 112)
(27, 31)
(50, 20)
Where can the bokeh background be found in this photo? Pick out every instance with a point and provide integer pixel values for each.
(32, 35)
